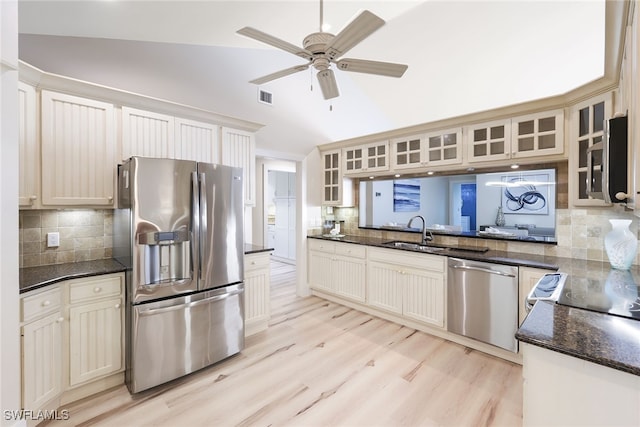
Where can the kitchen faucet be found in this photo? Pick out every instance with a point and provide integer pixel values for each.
(427, 236)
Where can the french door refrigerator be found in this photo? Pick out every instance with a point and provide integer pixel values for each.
(179, 231)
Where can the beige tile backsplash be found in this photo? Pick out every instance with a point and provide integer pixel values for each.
(84, 235)
(580, 233)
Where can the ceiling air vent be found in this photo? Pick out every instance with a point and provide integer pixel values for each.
(265, 97)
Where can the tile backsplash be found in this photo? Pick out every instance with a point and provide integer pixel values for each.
(84, 235)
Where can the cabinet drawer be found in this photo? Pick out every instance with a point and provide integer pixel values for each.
(94, 288)
(348, 249)
(34, 306)
(322, 246)
(256, 261)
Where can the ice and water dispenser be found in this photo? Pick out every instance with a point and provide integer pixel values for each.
(167, 256)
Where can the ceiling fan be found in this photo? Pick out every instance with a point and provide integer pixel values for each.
(321, 49)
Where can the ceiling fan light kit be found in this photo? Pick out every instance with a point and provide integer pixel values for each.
(322, 49)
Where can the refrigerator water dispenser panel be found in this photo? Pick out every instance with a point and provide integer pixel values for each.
(166, 256)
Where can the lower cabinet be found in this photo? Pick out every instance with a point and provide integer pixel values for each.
(72, 339)
(528, 277)
(257, 293)
(338, 268)
(412, 286)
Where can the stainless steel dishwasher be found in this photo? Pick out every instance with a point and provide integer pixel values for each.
(482, 302)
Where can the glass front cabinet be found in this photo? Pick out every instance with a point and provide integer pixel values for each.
(336, 190)
(366, 158)
(430, 149)
(587, 129)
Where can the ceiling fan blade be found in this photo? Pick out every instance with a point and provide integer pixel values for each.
(359, 29)
(328, 84)
(275, 42)
(278, 74)
(372, 67)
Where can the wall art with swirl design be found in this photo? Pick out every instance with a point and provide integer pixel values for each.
(526, 194)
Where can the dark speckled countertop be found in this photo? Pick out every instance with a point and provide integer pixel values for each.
(32, 278)
(605, 339)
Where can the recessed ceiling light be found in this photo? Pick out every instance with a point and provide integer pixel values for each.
(370, 177)
(515, 166)
(397, 175)
(430, 173)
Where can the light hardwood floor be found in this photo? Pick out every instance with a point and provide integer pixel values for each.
(322, 364)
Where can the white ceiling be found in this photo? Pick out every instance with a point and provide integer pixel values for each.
(463, 57)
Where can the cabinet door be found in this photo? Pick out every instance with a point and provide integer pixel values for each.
(537, 134)
(78, 146)
(384, 288)
(320, 276)
(423, 298)
(527, 279)
(238, 150)
(41, 361)
(95, 340)
(407, 153)
(257, 309)
(196, 141)
(489, 141)
(147, 134)
(443, 147)
(349, 277)
(335, 189)
(366, 158)
(29, 151)
(354, 160)
(587, 129)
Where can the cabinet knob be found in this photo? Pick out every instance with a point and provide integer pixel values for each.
(110, 199)
(60, 319)
(33, 197)
(46, 303)
(253, 263)
(117, 306)
(97, 289)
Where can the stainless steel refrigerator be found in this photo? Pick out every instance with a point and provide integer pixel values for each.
(179, 230)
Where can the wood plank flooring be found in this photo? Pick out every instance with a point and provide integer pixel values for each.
(322, 364)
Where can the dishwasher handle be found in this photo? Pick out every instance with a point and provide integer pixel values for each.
(484, 270)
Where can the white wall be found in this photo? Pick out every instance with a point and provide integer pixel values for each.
(9, 300)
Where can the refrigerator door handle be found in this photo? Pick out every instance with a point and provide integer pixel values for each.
(195, 213)
(190, 304)
(203, 220)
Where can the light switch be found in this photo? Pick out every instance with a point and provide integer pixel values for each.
(53, 240)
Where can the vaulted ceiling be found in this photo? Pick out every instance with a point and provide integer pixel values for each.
(463, 57)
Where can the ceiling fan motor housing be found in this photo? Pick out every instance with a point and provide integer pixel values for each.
(316, 42)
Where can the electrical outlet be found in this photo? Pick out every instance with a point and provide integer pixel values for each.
(53, 240)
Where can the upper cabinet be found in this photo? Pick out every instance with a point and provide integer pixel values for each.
(366, 158)
(531, 135)
(196, 141)
(78, 150)
(587, 128)
(29, 149)
(238, 149)
(431, 149)
(336, 190)
(147, 134)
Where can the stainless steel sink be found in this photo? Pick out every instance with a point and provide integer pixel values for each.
(414, 246)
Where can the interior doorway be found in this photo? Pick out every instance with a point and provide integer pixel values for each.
(280, 213)
(462, 211)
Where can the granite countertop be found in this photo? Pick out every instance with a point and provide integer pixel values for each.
(32, 278)
(250, 248)
(493, 256)
(600, 338)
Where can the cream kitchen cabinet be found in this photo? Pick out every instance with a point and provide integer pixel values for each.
(196, 141)
(531, 135)
(78, 151)
(430, 149)
(96, 319)
(366, 158)
(257, 292)
(29, 149)
(587, 128)
(238, 150)
(42, 345)
(338, 268)
(336, 189)
(408, 285)
(527, 279)
(147, 134)
(72, 340)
